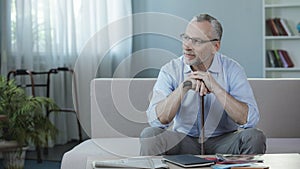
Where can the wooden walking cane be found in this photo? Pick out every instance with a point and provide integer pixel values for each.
(202, 126)
(202, 122)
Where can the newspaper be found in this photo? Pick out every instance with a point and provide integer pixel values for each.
(135, 162)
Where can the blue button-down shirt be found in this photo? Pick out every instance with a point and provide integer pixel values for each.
(228, 73)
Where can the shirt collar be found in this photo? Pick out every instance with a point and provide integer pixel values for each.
(215, 67)
(187, 68)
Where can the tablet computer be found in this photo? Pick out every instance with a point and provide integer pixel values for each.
(188, 160)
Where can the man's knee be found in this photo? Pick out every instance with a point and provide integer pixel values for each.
(150, 136)
(255, 134)
(151, 132)
(255, 139)
(150, 143)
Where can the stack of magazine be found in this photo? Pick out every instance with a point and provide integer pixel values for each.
(238, 159)
(225, 161)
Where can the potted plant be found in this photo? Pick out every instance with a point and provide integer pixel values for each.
(22, 120)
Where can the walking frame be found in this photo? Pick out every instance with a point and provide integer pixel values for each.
(33, 85)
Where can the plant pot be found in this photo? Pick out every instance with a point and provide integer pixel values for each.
(14, 158)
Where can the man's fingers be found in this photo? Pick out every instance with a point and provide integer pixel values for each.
(198, 83)
(203, 89)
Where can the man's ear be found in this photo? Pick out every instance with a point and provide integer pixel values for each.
(217, 46)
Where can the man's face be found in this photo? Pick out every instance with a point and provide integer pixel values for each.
(199, 53)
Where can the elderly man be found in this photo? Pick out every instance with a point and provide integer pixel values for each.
(230, 109)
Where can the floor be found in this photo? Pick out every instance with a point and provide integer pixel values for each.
(54, 154)
(52, 160)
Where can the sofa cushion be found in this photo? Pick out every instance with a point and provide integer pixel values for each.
(279, 106)
(118, 106)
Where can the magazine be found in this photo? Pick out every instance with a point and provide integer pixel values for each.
(238, 158)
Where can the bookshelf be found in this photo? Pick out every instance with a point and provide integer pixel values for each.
(289, 11)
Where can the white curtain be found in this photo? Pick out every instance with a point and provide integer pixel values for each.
(41, 35)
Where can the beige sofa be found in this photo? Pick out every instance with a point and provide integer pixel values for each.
(118, 116)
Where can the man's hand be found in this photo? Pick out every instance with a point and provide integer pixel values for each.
(236, 109)
(203, 82)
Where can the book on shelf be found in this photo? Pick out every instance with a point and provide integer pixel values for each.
(271, 27)
(278, 27)
(284, 62)
(286, 58)
(270, 59)
(286, 26)
(278, 58)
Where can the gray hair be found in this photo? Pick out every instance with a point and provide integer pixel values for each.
(217, 27)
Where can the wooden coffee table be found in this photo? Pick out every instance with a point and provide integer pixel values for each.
(273, 161)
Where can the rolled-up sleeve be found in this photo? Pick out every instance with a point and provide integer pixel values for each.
(242, 91)
(162, 88)
(253, 117)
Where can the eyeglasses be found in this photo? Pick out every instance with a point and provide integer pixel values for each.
(195, 41)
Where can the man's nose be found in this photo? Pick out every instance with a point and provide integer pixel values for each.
(187, 45)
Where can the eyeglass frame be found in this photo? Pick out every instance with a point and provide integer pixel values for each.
(195, 41)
